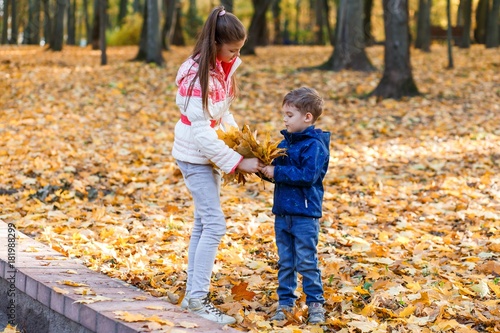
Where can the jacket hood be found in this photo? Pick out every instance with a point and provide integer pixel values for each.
(308, 133)
(190, 67)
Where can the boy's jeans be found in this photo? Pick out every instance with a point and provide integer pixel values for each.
(296, 239)
(203, 181)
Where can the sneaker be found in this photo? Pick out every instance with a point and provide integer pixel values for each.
(205, 308)
(316, 313)
(185, 300)
(280, 315)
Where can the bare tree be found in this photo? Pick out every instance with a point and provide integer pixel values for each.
(228, 5)
(349, 51)
(397, 80)
(150, 43)
(450, 48)
(32, 29)
(367, 22)
(258, 27)
(13, 23)
(423, 40)
(103, 18)
(481, 21)
(56, 43)
(71, 23)
(492, 26)
(122, 12)
(5, 25)
(465, 15)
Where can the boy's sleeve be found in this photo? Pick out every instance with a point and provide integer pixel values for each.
(307, 172)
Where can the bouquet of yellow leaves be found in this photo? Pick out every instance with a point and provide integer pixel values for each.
(245, 143)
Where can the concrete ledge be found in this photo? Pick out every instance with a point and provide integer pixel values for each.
(33, 296)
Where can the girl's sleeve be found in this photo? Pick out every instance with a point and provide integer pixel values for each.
(228, 120)
(207, 141)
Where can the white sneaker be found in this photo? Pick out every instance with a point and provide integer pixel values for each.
(185, 300)
(205, 308)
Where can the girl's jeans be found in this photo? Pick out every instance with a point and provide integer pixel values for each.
(203, 181)
(296, 239)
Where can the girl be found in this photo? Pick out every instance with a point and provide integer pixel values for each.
(206, 87)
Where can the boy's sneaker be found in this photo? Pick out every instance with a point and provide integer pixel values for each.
(185, 301)
(280, 315)
(316, 313)
(205, 308)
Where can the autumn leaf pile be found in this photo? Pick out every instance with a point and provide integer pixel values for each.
(246, 143)
(410, 237)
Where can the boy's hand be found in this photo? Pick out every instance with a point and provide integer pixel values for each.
(268, 171)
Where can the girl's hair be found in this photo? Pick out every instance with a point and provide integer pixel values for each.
(220, 28)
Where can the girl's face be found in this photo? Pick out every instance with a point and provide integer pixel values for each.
(228, 51)
(294, 120)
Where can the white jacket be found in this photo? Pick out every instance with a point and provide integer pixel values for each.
(196, 141)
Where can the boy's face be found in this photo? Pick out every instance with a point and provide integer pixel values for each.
(294, 120)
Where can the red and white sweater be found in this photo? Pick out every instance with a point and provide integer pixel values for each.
(196, 140)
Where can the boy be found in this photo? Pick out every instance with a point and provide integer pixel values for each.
(298, 199)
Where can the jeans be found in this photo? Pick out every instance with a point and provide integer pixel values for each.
(203, 181)
(297, 239)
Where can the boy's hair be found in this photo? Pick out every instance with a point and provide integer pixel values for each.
(306, 100)
(220, 28)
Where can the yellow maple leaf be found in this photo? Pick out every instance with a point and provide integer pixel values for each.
(240, 292)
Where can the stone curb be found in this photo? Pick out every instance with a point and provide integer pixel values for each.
(39, 308)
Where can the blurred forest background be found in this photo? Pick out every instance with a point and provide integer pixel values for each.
(306, 22)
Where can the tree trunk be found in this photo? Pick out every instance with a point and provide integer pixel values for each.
(397, 80)
(13, 23)
(349, 51)
(96, 41)
(102, 30)
(150, 43)
(367, 23)
(466, 15)
(178, 36)
(228, 5)
(257, 26)
(137, 6)
(5, 25)
(481, 21)
(195, 22)
(297, 20)
(450, 48)
(492, 30)
(47, 23)
(32, 31)
(423, 40)
(319, 9)
(331, 37)
(122, 12)
(87, 21)
(58, 34)
(278, 32)
(169, 8)
(71, 22)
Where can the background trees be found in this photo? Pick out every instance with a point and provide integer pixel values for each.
(156, 25)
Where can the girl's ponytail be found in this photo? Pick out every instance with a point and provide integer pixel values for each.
(220, 27)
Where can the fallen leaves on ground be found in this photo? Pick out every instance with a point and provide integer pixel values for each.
(410, 236)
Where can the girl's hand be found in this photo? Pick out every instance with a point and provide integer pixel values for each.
(250, 165)
(268, 171)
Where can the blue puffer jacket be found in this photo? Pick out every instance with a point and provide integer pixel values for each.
(298, 176)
